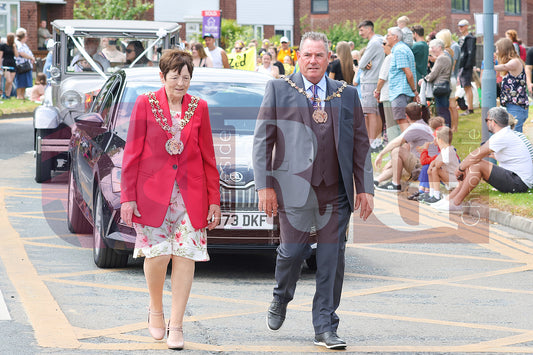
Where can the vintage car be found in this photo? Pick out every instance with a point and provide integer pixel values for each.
(96, 150)
(85, 53)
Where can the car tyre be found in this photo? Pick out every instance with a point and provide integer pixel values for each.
(104, 256)
(43, 167)
(76, 220)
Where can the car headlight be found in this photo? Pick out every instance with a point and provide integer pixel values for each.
(71, 100)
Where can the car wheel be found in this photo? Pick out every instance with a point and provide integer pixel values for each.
(311, 262)
(104, 257)
(43, 167)
(76, 220)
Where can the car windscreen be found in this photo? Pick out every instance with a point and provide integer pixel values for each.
(110, 53)
(233, 107)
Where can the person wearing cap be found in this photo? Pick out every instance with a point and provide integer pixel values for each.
(286, 50)
(467, 60)
(217, 54)
(514, 172)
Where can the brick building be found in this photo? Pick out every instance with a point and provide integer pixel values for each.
(512, 14)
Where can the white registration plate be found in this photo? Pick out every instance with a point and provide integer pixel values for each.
(245, 220)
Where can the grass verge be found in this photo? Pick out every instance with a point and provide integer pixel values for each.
(14, 106)
(468, 138)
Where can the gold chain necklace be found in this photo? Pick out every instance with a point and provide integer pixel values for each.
(173, 145)
(319, 115)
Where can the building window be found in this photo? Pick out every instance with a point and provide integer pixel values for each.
(319, 6)
(9, 20)
(513, 7)
(460, 5)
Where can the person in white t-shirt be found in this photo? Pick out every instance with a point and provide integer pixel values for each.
(217, 54)
(403, 156)
(442, 169)
(514, 172)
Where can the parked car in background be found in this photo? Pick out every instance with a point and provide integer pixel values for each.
(85, 54)
(97, 145)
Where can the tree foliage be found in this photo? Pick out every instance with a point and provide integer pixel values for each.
(348, 30)
(111, 9)
(231, 31)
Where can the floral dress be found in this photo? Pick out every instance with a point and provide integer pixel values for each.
(514, 90)
(176, 236)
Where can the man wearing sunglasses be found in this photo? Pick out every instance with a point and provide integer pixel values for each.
(514, 172)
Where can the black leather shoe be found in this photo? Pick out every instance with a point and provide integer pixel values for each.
(276, 315)
(330, 340)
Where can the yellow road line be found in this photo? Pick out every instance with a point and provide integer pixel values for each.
(48, 245)
(51, 327)
(442, 255)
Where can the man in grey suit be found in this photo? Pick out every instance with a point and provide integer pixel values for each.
(310, 148)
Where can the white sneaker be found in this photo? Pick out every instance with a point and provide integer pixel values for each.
(445, 205)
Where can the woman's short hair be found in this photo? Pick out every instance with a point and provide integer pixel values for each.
(436, 43)
(20, 33)
(175, 59)
(200, 49)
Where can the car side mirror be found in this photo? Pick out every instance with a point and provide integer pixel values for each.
(90, 119)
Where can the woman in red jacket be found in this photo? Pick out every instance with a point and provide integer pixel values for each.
(170, 189)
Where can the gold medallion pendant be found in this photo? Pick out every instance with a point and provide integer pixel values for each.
(320, 116)
(173, 146)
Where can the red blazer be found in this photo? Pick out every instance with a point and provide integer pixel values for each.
(149, 172)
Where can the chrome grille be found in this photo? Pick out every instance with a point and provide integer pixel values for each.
(238, 197)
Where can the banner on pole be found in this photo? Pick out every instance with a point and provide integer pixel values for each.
(244, 60)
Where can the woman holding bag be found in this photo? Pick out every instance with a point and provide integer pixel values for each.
(170, 189)
(23, 80)
(440, 78)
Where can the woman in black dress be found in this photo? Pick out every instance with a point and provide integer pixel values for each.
(8, 52)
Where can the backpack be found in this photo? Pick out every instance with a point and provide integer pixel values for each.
(523, 53)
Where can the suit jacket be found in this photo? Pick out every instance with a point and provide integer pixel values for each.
(149, 172)
(285, 145)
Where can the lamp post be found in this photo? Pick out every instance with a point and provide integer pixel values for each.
(488, 81)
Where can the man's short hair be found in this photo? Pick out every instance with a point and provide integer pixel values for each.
(445, 134)
(499, 115)
(366, 23)
(413, 111)
(315, 36)
(419, 30)
(397, 31)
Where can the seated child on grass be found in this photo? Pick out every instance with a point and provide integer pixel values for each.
(37, 91)
(428, 153)
(443, 168)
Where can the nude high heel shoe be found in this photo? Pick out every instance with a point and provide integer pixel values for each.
(173, 337)
(156, 333)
